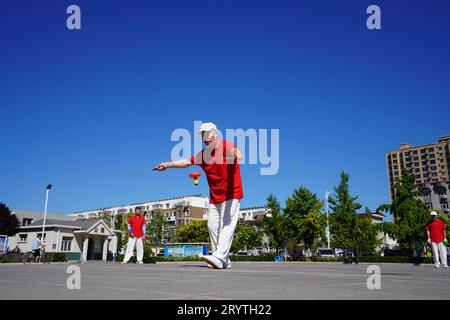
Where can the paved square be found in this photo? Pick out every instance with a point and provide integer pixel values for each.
(245, 280)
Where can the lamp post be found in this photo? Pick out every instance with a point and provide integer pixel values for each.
(49, 186)
(327, 195)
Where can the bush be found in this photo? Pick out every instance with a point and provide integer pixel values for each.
(11, 258)
(396, 259)
(270, 257)
(54, 257)
(322, 259)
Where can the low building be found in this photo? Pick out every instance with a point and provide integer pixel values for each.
(178, 211)
(253, 213)
(26, 217)
(79, 240)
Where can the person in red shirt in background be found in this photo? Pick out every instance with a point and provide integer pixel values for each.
(219, 160)
(435, 229)
(136, 228)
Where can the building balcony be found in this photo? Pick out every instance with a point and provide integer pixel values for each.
(179, 204)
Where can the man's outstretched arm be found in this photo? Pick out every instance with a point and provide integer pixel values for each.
(184, 163)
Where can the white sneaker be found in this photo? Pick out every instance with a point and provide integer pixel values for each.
(446, 266)
(437, 265)
(228, 266)
(213, 261)
(123, 262)
(140, 262)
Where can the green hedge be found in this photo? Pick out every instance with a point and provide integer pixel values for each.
(54, 257)
(11, 258)
(396, 259)
(270, 257)
(153, 259)
(369, 259)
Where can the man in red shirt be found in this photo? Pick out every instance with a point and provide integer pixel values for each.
(436, 236)
(136, 229)
(219, 160)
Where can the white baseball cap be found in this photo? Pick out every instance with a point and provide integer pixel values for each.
(433, 213)
(207, 126)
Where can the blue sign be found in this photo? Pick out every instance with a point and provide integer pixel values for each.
(185, 250)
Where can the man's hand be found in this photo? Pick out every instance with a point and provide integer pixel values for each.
(131, 235)
(143, 238)
(160, 167)
(429, 241)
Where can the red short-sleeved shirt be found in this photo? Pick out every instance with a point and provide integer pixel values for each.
(224, 179)
(136, 224)
(436, 229)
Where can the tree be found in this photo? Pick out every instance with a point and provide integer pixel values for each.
(9, 225)
(366, 234)
(120, 225)
(303, 219)
(344, 215)
(274, 226)
(247, 237)
(195, 231)
(156, 229)
(409, 213)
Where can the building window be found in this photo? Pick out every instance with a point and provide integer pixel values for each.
(432, 155)
(23, 237)
(66, 244)
(415, 152)
(444, 205)
(431, 149)
(26, 221)
(40, 235)
(167, 205)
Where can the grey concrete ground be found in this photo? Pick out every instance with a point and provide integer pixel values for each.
(245, 280)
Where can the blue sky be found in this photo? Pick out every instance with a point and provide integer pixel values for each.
(82, 109)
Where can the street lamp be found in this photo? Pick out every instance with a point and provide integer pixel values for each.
(327, 195)
(49, 186)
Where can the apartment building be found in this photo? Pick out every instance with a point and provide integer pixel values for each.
(177, 211)
(430, 165)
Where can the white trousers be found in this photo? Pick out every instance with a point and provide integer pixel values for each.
(439, 250)
(222, 221)
(130, 248)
